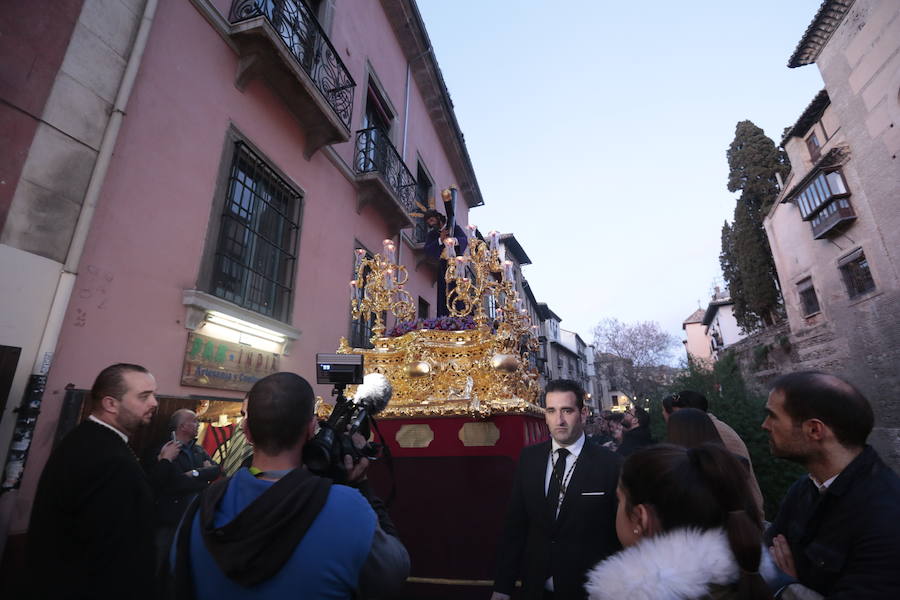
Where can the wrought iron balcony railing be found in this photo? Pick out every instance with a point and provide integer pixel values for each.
(298, 28)
(376, 154)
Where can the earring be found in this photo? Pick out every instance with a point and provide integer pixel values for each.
(637, 531)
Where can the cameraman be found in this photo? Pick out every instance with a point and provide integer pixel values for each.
(275, 530)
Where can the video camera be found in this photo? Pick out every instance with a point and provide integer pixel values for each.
(324, 453)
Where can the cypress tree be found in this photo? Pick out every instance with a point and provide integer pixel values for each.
(746, 258)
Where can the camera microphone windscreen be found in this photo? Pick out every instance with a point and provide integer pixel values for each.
(375, 392)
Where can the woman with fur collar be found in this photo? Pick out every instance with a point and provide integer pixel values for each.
(689, 528)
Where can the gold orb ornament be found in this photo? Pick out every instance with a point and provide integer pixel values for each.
(418, 369)
(505, 362)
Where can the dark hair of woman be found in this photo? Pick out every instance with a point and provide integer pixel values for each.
(690, 427)
(705, 488)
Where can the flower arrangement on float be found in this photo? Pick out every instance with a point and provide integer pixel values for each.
(439, 323)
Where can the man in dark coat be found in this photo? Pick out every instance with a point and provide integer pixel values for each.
(91, 530)
(637, 434)
(837, 531)
(434, 250)
(562, 513)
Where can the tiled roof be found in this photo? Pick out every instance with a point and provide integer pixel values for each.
(827, 19)
(811, 114)
(696, 317)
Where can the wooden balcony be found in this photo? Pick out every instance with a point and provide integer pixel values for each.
(833, 217)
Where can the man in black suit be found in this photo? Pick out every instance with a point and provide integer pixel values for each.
(562, 513)
(91, 530)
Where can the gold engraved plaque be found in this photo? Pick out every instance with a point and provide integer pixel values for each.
(479, 434)
(414, 436)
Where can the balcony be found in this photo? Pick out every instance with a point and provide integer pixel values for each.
(281, 42)
(832, 216)
(384, 181)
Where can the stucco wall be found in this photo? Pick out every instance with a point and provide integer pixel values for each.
(153, 218)
(858, 338)
(698, 341)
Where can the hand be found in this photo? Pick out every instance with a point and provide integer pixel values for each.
(499, 596)
(207, 464)
(357, 472)
(169, 450)
(781, 554)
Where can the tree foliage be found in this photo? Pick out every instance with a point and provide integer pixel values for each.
(644, 343)
(745, 257)
(753, 160)
(645, 347)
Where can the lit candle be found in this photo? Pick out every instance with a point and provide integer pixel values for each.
(354, 291)
(507, 270)
(358, 258)
(460, 266)
(470, 231)
(389, 249)
(389, 279)
(494, 237)
(450, 245)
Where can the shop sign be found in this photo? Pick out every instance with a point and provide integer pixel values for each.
(219, 364)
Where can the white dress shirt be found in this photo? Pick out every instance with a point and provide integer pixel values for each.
(574, 450)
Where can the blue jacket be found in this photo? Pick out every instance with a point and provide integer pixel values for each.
(325, 564)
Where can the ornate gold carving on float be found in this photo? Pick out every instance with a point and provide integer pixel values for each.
(477, 372)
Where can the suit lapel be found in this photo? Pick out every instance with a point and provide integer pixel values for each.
(538, 471)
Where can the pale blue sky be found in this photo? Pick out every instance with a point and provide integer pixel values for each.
(598, 132)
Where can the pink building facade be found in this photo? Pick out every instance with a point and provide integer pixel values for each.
(261, 147)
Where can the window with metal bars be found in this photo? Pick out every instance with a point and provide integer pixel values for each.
(809, 302)
(857, 275)
(256, 255)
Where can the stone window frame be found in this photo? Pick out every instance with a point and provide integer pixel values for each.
(856, 274)
(204, 291)
(804, 287)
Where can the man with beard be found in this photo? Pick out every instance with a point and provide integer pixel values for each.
(562, 514)
(91, 531)
(837, 532)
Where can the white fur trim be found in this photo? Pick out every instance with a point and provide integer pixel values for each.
(675, 565)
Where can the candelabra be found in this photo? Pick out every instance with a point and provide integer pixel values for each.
(478, 278)
(378, 288)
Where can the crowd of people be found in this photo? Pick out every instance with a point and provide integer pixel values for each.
(683, 519)
(602, 516)
(106, 526)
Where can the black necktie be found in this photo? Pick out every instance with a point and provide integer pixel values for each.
(556, 480)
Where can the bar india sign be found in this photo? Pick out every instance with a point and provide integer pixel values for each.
(213, 363)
